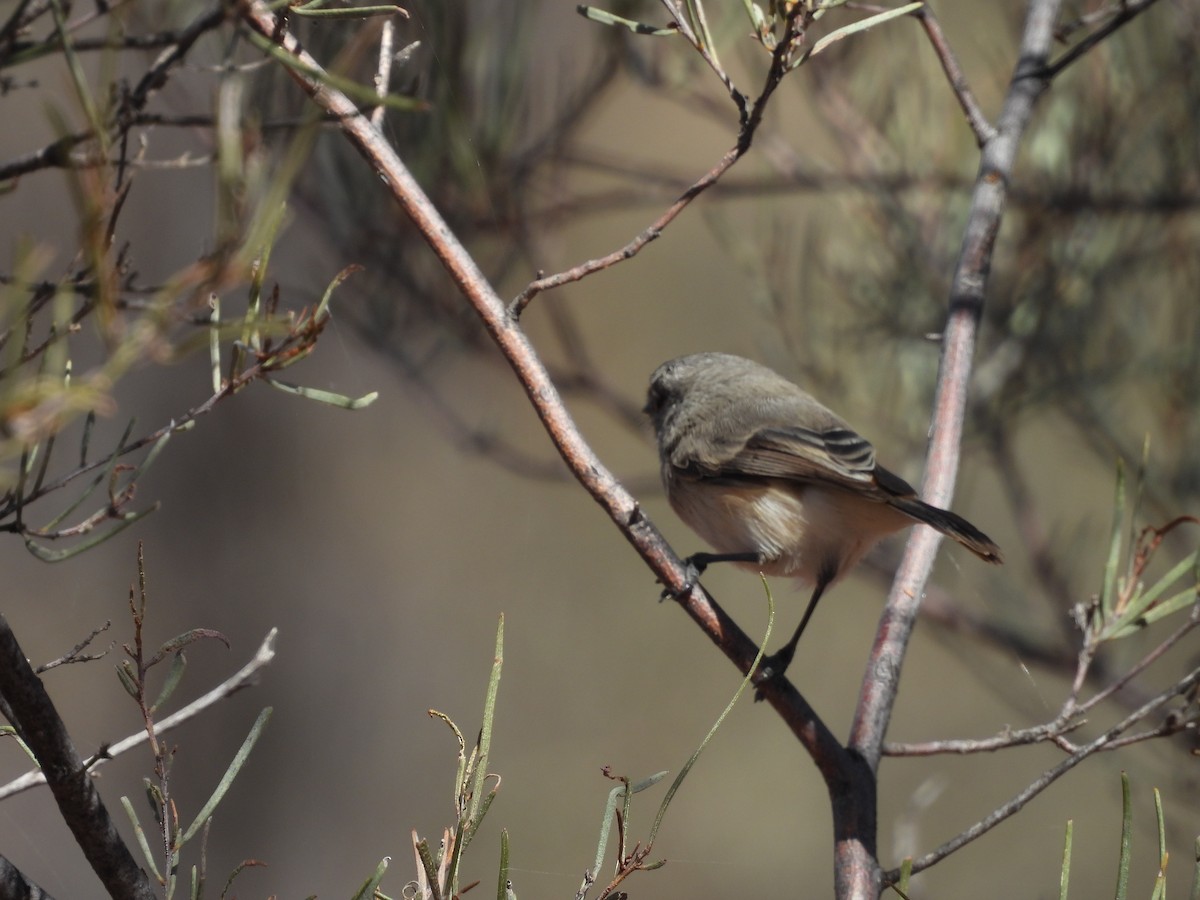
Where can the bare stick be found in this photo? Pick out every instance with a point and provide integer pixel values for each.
(881, 681)
(1017, 803)
(1127, 11)
(983, 129)
(617, 502)
(750, 120)
(855, 862)
(243, 678)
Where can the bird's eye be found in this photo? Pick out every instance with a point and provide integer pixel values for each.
(654, 399)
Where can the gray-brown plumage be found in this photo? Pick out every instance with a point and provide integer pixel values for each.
(776, 481)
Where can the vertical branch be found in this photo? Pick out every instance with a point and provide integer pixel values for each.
(857, 867)
(966, 307)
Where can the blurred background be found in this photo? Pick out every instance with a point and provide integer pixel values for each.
(385, 543)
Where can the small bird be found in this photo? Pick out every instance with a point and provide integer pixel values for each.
(777, 482)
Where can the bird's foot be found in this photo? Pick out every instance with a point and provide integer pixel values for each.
(693, 567)
(771, 669)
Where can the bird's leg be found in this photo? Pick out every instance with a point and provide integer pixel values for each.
(776, 664)
(698, 562)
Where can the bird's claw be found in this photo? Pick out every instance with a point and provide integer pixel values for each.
(770, 669)
(693, 569)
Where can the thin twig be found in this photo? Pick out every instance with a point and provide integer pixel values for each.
(983, 129)
(965, 746)
(76, 654)
(383, 75)
(245, 677)
(1146, 661)
(1127, 11)
(751, 120)
(1047, 778)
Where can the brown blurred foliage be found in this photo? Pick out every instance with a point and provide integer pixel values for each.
(140, 185)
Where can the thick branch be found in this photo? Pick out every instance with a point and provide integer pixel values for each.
(78, 800)
(16, 885)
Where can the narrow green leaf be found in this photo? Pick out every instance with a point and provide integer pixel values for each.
(45, 554)
(349, 12)
(457, 844)
(1144, 599)
(489, 716)
(78, 76)
(638, 786)
(1126, 837)
(502, 883)
(610, 807)
(352, 89)
(1108, 592)
(1065, 876)
(189, 637)
(1160, 883)
(367, 891)
(146, 463)
(758, 18)
(473, 825)
(9, 732)
(127, 678)
(431, 869)
(857, 27)
(687, 767)
(1173, 604)
(140, 833)
(606, 18)
(235, 766)
(695, 12)
(338, 400)
(323, 307)
(174, 674)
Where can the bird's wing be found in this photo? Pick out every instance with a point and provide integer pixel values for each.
(835, 455)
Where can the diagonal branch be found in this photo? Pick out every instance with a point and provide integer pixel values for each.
(14, 883)
(831, 758)
(1127, 10)
(40, 727)
(751, 119)
(982, 128)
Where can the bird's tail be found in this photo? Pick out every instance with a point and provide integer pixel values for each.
(951, 525)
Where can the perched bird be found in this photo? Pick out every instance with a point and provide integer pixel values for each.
(777, 482)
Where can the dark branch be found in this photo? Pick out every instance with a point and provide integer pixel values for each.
(78, 800)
